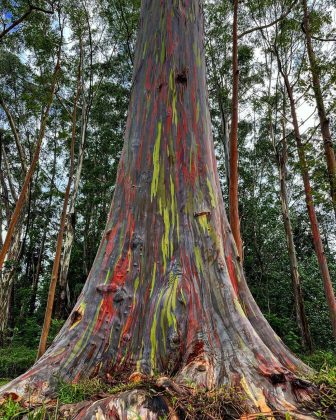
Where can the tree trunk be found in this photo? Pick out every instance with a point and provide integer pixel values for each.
(233, 186)
(16, 136)
(22, 197)
(13, 255)
(59, 242)
(69, 231)
(318, 245)
(166, 294)
(37, 272)
(324, 120)
(299, 305)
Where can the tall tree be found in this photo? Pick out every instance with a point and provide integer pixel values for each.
(324, 119)
(166, 293)
(56, 264)
(281, 153)
(233, 185)
(318, 244)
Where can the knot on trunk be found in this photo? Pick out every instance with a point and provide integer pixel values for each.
(277, 378)
(107, 288)
(136, 241)
(202, 213)
(76, 317)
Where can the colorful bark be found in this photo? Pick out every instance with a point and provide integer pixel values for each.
(166, 293)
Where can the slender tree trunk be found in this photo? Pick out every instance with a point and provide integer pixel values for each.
(318, 245)
(44, 237)
(233, 187)
(15, 132)
(324, 120)
(224, 121)
(13, 255)
(166, 294)
(69, 231)
(22, 197)
(55, 269)
(300, 313)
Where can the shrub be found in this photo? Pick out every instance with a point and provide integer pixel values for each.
(320, 360)
(15, 360)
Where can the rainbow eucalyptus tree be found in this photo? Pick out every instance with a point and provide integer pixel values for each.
(166, 294)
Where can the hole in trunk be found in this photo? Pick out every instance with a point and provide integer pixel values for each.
(76, 317)
(181, 77)
(277, 378)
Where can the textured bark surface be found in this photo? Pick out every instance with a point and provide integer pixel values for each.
(166, 293)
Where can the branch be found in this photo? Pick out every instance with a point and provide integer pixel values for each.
(24, 17)
(257, 28)
(16, 136)
(317, 38)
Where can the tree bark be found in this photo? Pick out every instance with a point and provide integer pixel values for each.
(318, 245)
(233, 186)
(324, 120)
(166, 294)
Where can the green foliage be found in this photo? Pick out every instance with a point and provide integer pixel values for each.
(321, 360)
(326, 380)
(287, 329)
(15, 360)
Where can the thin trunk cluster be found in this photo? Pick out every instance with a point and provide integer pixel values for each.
(317, 240)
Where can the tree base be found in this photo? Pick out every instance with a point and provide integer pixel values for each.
(161, 397)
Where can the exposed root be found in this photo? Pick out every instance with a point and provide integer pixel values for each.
(143, 397)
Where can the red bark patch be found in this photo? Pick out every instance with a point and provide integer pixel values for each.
(197, 350)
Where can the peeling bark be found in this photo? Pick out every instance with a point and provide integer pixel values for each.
(166, 293)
